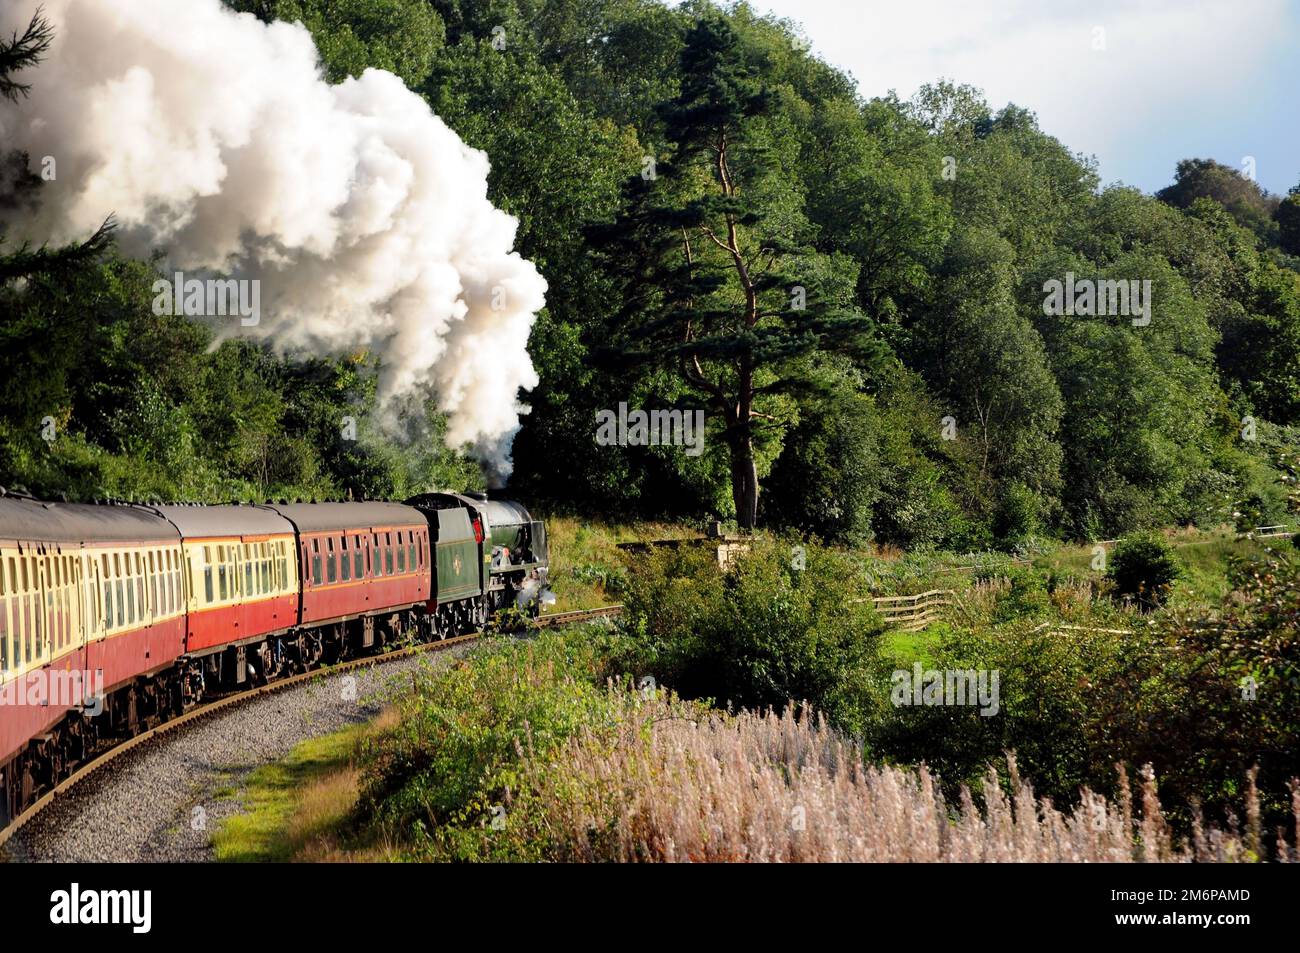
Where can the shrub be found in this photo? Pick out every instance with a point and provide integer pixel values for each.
(1143, 568)
(1047, 697)
(449, 767)
(1026, 597)
(761, 635)
(1235, 691)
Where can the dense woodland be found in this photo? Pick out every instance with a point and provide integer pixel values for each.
(682, 176)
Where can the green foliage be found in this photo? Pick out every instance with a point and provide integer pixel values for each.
(1235, 687)
(1250, 205)
(1144, 569)
(1287, 216)
(761, 635)
(1046, 682)
(1204, 701)
(440, 775)
(827, 479)
(401, 36)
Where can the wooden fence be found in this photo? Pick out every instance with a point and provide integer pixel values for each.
(914, 613)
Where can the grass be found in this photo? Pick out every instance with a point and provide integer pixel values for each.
(299, 808)
(586, 564)
(907, 647)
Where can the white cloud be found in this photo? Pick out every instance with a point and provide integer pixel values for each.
(1167, 63)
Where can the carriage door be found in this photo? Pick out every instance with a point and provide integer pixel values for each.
(44, 608)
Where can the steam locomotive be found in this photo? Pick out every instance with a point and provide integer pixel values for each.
(114, 618)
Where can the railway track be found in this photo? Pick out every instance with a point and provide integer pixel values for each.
(105, 758)
(578, 615)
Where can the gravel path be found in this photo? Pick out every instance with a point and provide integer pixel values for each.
(159, 801)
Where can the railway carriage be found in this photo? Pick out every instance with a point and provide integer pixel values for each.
(114, 618)
(91, 617)
(364, 565)
(240, 583)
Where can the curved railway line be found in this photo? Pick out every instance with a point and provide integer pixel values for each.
(108, 756)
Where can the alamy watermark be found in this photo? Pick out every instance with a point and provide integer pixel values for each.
(1084, 296)
(973, 687)
(209, 298)
(61, 688)
(654, 428)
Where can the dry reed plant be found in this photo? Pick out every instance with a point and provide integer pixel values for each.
(674, 783)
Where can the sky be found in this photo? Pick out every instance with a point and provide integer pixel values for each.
(1139, 84)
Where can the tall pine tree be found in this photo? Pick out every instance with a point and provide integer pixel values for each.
(713, 252)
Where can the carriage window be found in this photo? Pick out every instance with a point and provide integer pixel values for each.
(358, 558)
(401, 554)
(52, 621)
(345, 562)
(376, 557)
(130, 595)
(207, 574)
(284, 566)
(331, 562)
(410, 554)
(248, 576)
(388, 554)
(34, 604)
(63, 617)
(108, 592)
(315, 562)
(221, 579)
(4, 621)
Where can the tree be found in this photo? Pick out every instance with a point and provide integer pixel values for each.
(1287, 216)
(1250, 205)
(713, 255)
(401, 36)
(38, 345)
(990, 364)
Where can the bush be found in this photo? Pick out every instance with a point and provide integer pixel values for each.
(1027, 597)
(1143, 568)
(449, 767)
(1204, 701)
(1046, 691)
(760, 636)
(827, 478)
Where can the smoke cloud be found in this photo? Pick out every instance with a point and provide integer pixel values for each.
(365, 218)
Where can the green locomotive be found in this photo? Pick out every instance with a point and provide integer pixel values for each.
(489, 554)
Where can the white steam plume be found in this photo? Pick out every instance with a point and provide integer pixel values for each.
(215, 137)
